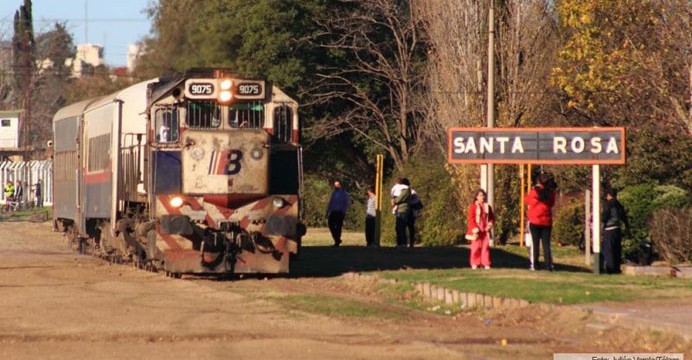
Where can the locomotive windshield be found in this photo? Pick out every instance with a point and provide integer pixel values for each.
(203, 114)
(167, 124)
(246, 115)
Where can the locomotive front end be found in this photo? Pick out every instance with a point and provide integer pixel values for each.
(224, 176)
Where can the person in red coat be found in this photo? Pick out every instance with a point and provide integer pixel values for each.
(478, 225)
(540, 201)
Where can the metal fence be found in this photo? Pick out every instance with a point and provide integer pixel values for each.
(28, 173)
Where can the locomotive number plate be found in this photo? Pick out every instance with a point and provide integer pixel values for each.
(249, 89)
(200, 88)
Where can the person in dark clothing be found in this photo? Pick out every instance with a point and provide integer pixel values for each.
(370, 218)
(402, 210)
(411, 221)
(612, 217)
(336, 211)
(38, 194)
(540, 201)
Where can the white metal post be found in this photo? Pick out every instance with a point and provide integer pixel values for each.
(595, 199)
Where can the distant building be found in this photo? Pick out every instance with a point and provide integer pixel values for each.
(9, 129)
(88, 56)
(134, 51)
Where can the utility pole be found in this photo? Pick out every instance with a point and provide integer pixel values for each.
(86, 21)
(487, 178)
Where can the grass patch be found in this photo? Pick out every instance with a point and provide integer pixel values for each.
(336, 306)
(27, 214)
(554, 288)
(572, 283)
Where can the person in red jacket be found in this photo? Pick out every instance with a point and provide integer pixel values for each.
(540, 201)
(478, 225)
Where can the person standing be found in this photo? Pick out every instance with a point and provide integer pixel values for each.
(612, 216)
(540, 201)
(413, 202)
(401, 209)
(19, 192)
(38, 194)
(370, 218)
(480, 221)
(336, 211)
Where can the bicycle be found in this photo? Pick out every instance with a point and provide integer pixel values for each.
(10, 205)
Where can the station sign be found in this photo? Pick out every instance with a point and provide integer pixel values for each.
(588, 146)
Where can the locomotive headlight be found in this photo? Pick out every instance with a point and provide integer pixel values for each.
(278, 202)
(225, 96)
(176, 202)
(226, 84)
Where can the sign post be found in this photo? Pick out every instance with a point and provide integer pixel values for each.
(596, 189)
(593, 146)
(378, 198)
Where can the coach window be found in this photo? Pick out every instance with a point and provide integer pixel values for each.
(283, 116)
(203, 115)
(246, 115)
(167, 125)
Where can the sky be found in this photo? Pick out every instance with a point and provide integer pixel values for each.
(113, 24)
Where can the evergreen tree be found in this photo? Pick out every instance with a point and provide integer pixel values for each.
(24, 60)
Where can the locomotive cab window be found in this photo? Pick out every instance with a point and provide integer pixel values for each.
(203, 115)
(167, 125)
(283, 116)
(246, 115)
(6, 122)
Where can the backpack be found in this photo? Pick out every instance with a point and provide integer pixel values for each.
(415, 203)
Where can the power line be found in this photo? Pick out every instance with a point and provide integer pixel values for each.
(6, 20)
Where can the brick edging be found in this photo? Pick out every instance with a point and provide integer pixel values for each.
(464, 300)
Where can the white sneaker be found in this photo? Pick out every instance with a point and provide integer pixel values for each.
(474, 267)
(487, 268)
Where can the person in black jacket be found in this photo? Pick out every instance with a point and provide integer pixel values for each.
(612, 216)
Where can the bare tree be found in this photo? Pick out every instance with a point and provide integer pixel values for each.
(378, 87)
(525, 46)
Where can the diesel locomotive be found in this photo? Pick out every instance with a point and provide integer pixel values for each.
(198, 173)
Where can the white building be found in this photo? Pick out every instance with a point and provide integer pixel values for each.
(9, 129)
(87, 57)
(134, 51)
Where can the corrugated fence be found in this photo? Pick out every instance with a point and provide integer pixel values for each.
(29, 173)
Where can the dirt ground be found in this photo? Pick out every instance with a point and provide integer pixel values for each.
(60, 305)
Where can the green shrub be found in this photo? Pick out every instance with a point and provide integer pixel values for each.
(640, 202)
(568, 223)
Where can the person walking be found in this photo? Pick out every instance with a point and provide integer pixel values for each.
(480, 221)
(336, 211)
(612, 216)
(370, 218)
(401, 209)
(540, 201)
